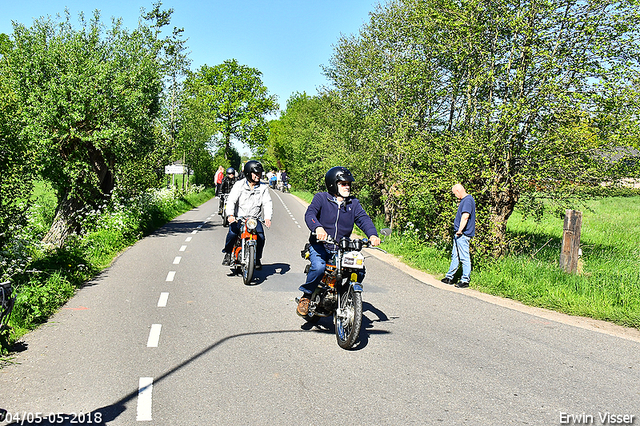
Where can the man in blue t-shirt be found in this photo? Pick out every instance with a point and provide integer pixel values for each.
(465, 227)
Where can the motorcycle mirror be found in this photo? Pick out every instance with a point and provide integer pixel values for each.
(385, 233)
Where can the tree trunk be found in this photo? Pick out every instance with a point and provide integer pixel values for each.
(101, 168)
(65, 222)
(502, 204)
(387, 199)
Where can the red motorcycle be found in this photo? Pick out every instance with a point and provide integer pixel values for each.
(243, 255)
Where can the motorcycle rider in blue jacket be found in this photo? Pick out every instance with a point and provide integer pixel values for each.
(332, 213)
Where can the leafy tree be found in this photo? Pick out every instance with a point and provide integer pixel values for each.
(88, 102)
(305, 140)
(234, 102)
(175, 65)
(502, 96)
(16, 157)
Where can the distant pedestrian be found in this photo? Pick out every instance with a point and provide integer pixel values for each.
(218, 179)
(464, 226)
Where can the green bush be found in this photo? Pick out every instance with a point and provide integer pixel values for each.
(37, 300)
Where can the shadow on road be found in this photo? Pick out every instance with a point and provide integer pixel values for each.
(261, 276)
(106, 414)
(176, 227)
(269, 270)
(325, 325)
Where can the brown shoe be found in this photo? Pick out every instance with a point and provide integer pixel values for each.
(303, 306)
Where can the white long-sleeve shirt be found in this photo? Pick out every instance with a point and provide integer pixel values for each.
(244, 201)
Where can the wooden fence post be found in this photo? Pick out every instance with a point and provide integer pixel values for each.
(571, 241)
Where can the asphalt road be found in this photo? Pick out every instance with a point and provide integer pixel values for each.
(167, 336)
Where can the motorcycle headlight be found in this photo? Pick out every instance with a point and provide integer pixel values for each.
(252, 224)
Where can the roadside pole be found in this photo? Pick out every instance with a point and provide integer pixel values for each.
(570, 251)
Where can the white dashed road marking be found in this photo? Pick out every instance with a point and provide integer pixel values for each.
(154, 336)
(162, 301)
(288, 211)
(145, 388)
(145, 384)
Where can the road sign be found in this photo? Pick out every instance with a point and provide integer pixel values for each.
(173, 169)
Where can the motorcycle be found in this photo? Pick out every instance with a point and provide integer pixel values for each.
(339, 292)
(223, 208)
(243, 255)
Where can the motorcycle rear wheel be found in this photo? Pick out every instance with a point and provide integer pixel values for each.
(349, 323)
(249, 264)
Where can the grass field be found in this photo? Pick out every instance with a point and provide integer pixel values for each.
(607, 285)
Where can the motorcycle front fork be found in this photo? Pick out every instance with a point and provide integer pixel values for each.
(245, 244)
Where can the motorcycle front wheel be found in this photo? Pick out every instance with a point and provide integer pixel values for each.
(249, 264)
(348, 318)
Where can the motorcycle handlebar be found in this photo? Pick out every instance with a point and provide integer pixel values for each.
(366, 243)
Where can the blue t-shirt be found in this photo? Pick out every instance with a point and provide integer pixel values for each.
(467, 205)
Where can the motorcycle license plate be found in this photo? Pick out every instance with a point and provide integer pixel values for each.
(353, 259)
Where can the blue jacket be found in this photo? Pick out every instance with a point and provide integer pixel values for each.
(337, 220)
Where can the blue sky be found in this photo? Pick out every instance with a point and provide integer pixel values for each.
(287, 40)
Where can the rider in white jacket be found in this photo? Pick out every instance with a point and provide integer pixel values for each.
(248, 197)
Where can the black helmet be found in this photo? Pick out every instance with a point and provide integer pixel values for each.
(335, 175)
(231, 171)
(252, 166)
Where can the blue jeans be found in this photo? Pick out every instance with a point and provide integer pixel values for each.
(232, 235)
(460, 254)
(318, 255)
